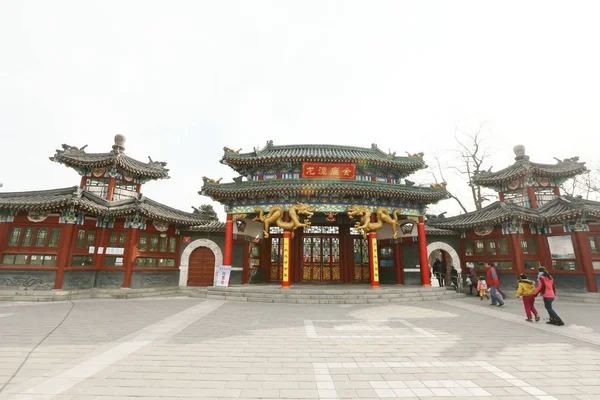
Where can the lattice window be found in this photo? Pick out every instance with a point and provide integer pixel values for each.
(99, 187)
(124, 191)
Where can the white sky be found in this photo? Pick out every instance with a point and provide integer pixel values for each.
(182, 79)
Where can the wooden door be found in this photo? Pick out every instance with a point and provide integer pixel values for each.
(201, 267)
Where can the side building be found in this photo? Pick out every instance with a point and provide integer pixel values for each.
(533, 225)
(101, 233)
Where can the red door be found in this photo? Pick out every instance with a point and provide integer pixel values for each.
(202, 267)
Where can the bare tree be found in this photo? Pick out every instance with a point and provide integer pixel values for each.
(586, 185)
(473, 153)
(440, 173)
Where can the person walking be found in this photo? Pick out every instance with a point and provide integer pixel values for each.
(493, 282)
(547, 288)
(482, 288)
(437, 270)
(474, 279)
(526, 290)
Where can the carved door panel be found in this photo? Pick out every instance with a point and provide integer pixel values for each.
(276, 271)
(361, 259)
(321, 254)
(201, 267)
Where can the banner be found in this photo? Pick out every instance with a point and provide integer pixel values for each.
(223, 274)
(328, 170)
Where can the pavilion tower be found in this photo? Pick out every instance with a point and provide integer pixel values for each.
(113, 175)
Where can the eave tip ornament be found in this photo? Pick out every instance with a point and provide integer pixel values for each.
(208, 180)
(441, 185)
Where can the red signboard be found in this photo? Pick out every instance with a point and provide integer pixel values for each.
(187, 239)
(328, 170)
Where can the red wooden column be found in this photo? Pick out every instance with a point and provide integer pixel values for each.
(131, 253)
(398, 262)
(64, 253)
(423, 259)
(112, 182)
(373, 259)
(585, 259)
(518, 263)
(532, 199)
(228, 250)
(83, 182)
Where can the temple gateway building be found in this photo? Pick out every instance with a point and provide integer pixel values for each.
(296, 214)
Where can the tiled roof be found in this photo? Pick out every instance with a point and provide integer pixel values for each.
(323, 153)
(77, 157)
(523, 167)
(312, 186)
(569, 208)
(492, 215)
(561, 209)
(213, 226)
(433, 231)
(59, 199)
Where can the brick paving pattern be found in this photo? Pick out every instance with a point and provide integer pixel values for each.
(181, 348)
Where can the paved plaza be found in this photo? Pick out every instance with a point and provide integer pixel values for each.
(182, 348)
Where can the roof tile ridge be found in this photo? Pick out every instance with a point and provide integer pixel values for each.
(147, 200)
(63, 190)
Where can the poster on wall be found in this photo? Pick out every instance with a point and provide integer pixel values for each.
(561, 247)
(223, 274)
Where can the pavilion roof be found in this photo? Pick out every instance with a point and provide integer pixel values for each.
(569, 208)
(561, 209)
(250, 189)
(563, 169)
(55, 200)
(76, 157)
(494, 214)
(322, 153)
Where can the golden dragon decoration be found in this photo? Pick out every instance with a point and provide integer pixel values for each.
(275, 215)
(365, 225)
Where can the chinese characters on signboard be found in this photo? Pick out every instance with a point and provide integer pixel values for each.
(328, 170)
(286, 260)
(223, 274)
(375, 260)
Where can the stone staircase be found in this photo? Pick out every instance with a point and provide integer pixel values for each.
(329, 295)
(592, 298)
(62, 295)
(300, 294)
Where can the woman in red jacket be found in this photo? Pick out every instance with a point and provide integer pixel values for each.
(547, 288)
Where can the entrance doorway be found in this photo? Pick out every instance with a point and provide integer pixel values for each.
(362, 272)
(201, 267)
(321, 254)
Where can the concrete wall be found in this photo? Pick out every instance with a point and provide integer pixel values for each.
(24, 279)
(79, 280)
(148, 279)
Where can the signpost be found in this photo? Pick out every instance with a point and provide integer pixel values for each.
(223, 275)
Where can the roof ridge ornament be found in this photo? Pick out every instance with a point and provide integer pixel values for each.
(73, 149)
(519, 151)
(119, 146)
(415, 155)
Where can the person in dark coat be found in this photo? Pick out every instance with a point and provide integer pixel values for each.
(473, 277)
(439, 271)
